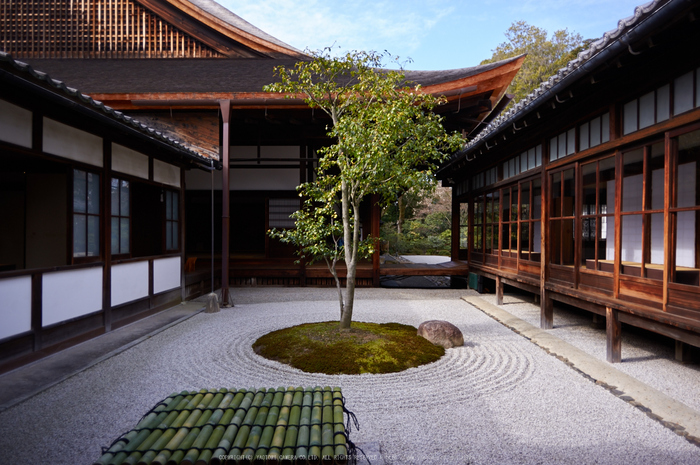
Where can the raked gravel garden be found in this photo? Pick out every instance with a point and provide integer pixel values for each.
(499, 399)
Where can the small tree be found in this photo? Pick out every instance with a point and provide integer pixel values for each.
(386, 140)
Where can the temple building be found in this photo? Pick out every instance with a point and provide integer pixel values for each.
(587, 191)
(107, 190)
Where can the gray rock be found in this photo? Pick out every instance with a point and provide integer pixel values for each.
(441, 333)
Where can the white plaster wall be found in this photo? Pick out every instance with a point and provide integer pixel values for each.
(257, 179)
(129, 282)
(15, 124)
(69, 142)
(125, 160)
(201, 180)
(71, 293)
(166, 274)
(15, 306)
(166, 173)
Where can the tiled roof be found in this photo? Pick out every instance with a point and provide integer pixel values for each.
(541, 94)
(238, 426)
(59, 87)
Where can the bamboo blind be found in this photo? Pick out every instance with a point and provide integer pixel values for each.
(92, 29)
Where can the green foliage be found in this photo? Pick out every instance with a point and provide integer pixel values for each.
(545, 56)
(385, 140)
(364, 348)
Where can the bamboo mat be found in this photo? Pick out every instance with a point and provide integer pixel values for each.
(263, 426)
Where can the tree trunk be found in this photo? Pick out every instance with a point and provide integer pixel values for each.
(402, 210)
(351, 239)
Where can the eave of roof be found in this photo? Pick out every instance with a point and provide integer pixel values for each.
(223, 21)
(613, 42)
(73, 97)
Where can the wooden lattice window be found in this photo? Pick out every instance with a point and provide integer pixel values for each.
(92, 29)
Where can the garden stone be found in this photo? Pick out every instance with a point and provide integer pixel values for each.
(441, 333)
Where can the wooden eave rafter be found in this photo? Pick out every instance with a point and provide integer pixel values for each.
(491, 84)
(188, 17)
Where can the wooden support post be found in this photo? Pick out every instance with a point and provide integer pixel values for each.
(546, 311)
(499, 291)
(613, 332)
(683, 352)
(225, 193)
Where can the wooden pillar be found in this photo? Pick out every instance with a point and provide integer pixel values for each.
(107, 235)
(546, 311)
(684, 352)
(613, 333)
(225, 193)
(455, 237)
(499, 291)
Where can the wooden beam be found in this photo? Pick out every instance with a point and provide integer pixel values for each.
(613, 335)
(499, 291)
(546, 311)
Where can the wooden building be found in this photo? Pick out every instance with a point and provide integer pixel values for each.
(92, 201)
(587, 192)
(195, 71)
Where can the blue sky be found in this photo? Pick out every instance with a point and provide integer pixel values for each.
(434, 34)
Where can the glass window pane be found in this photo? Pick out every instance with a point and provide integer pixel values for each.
(571, 141)
(663, 103)
(124, 198)
(657, 238)
(114, 189)
(93, 193)
(583, 136)
(683, 94)
(168, 235)
(496, 206)
(686, 239)
(525, 201)
(525, 241)
(632, 186)
(523, 162)
(588, 234)
(556, 195)
(176, 206)
(588, 176)
(79, 236)
(595, 132)
(569, 193)
(646, 110)
(537, 199)
(506, 204)
(531, 159)
(688, 159)
(538, 155)
(168, 206)
(555, 242)
(124, 235)
(93, 238)
(632, 239)
(561, 145)
(605, 128)
(553, 149)
(79, 191)
(657, 176)
(606, 186)
(630, 117)
(463, 225)
(506, 172)
(115, 235)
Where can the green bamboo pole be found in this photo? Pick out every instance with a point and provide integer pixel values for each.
(230, 422)
(188, 433)
(315, 431)
(260, 457)
(339, 438)
(256, 430)
(244, 430)
(290, 438)
(304, 425)
(168, 434)
(129, 454)
(277, 442)
(149, 421)
(209, 417)
(327, 427)
(217, 423)
(181, 433)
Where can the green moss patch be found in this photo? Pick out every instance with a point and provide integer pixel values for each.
(364, 348)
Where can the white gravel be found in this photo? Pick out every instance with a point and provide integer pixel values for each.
(497, 399)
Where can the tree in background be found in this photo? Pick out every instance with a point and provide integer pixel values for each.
(545, 56)
(386, 141)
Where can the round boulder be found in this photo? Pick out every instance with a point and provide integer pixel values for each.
(441, 333)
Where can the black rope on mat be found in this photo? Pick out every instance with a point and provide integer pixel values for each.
(352, 447)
